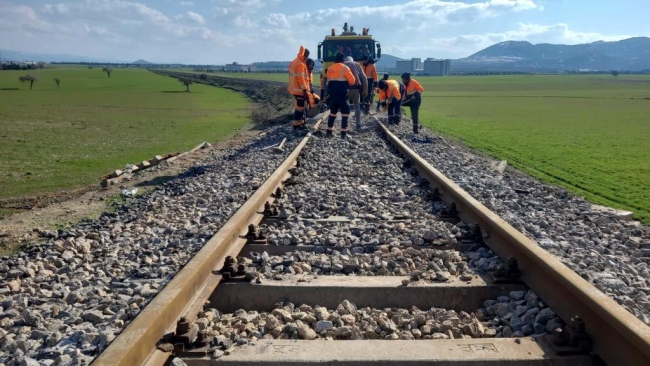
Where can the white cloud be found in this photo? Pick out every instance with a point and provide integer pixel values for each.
(466, 44)
(433, 12)
(254, 30)
(195, 17)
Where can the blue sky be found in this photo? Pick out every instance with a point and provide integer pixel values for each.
(223, 31)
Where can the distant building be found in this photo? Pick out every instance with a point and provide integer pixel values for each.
(417, 64)
(437, 67)
(235, 67)
(411, 65)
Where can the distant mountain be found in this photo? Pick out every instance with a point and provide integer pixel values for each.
(387, 62)
(9, 55)
(629, 54)
(142, 62)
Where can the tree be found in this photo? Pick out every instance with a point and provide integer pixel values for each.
(108, 71)
(615, 73)
(40, 65)
(57, 81)
(30, 78)
(187, 82)
(90, 67)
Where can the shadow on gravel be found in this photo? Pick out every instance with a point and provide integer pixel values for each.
(157, 181)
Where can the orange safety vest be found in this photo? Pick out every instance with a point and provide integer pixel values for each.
(340, 72)
(392, 91)
(370, 70)
(413, 86)
(298, 75)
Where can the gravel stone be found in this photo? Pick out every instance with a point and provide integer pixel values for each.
(607, 252)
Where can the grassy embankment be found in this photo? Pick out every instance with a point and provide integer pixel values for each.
(55, 139)
(590, 134)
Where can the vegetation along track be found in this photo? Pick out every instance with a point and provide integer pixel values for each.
(353, 208)
(359, 240)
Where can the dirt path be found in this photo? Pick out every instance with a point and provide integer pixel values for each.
(72, 206)
(48, 212)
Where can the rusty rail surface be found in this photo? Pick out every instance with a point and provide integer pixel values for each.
(192, 285)
(619, 338)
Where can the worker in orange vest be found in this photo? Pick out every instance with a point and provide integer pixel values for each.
(390, 97)
(339, 79)
(413, 98)
(368, 66)
(299, 87)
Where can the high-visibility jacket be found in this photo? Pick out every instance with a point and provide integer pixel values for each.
(339, 79)
(412, 87)
(298, 74)
(370, 70)
(391, 91)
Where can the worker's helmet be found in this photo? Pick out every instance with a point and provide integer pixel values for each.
(382, 84)
(385, 76)
(406, 76)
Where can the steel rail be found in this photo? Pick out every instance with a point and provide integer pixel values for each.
(619, 338)
(192, 285)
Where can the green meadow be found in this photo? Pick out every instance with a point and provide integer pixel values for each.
(590, 134)
(55, 139)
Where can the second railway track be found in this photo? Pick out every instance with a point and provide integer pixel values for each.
(362, 240)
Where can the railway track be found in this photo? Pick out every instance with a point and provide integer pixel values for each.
(286, 252)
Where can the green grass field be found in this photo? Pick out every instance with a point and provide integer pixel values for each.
(281, 77)
(590, 134)
(54, 139)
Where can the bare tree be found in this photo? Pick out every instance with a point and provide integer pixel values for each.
(57, 81)
(108, 71)
(187, 82)
(40, 65)
(90, 67)
(30, 78)
(615, 73)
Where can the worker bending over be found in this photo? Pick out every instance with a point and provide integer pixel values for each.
(379, 101)
(413, 98)
(299, 87)
(357, 91)
(339, 79)
(369, 69)
(390, 97)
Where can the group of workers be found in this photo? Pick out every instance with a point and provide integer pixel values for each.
(349, 82)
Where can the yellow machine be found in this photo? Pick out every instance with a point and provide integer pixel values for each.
(349, 43)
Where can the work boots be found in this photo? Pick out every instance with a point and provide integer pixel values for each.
(329, 134)
(344, 134)
(415, 129)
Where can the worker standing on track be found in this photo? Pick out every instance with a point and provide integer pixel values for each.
(339, 79)
(413, 99)
(357, 91)
(299, 87)
(390, 97)
(370, 71)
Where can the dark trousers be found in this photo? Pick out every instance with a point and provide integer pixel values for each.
(394, 111)
(338, 103)
(299, 110)
(368, 100)
(414, 105)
